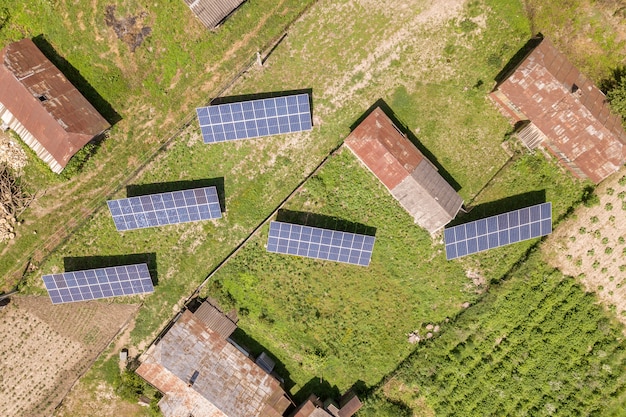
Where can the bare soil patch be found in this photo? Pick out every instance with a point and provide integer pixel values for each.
(128, 29)
(50, 348)
(100, 401)
(591, 245)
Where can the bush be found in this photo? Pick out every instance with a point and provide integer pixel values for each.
(79, 160)
(589, 198)
(616, 95)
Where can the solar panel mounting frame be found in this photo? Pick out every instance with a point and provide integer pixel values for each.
(255, 118)
(318, 243)
(499, 230)
(161, 209)
(94, 284)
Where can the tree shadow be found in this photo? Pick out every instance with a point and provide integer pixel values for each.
(81, 263)
(260, 96)
(517, 59)
(503, 205)
(404, 130)
(618, 74)
(164, 187)
(325, 222)
(74, 76)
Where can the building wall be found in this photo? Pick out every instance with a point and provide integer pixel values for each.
(14, 124)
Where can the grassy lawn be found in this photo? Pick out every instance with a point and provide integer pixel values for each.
(149, 93)
(329, 325)
(259, 173)
(335, 321)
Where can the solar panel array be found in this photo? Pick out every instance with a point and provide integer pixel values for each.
(313, 242)
(255, 118)
(98, 283)
(165, 208)
(500, 230)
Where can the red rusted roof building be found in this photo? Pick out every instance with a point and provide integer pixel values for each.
(564, 112)
(212, 12)
(411, 178)
(201, 372)
(39, 104)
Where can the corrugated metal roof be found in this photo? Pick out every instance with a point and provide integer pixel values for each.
(215, 320)
(212, 12)
(411, 178)
(228, 381)
(383, 149)
(570, 111)
(45, 102)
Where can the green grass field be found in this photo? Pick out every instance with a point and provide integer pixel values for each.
(329, 325)
(150, 93)
(537, 344)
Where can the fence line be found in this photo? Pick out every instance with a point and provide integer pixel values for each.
(40, 253)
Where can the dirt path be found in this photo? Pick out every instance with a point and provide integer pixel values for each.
(397, 40)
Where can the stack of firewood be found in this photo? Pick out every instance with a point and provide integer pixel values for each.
(13, 201)
(12, 153)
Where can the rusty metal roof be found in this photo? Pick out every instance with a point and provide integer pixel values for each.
(45, 102)
(228, 383)
(570, 111)
(215, 320)
(212, 12)
(411, 178)
(383, 149)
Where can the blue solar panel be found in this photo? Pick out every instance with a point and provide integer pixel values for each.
(500, 230)
(256, 118)
(313, 242)
(166, 208)
(98, 283)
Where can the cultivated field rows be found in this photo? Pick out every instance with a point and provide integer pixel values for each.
(46, 348)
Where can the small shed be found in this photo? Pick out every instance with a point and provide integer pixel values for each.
(124, 355)
(39, 104)
(212, 12)
(557, 107)
(408, 175)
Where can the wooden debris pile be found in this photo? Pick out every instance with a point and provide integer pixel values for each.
(13, 201)
(11, 153)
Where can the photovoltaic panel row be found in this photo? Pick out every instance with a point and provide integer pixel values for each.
(313, 242)
(93, 284)
(255, 118)
(500, 230)
(165, 208)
